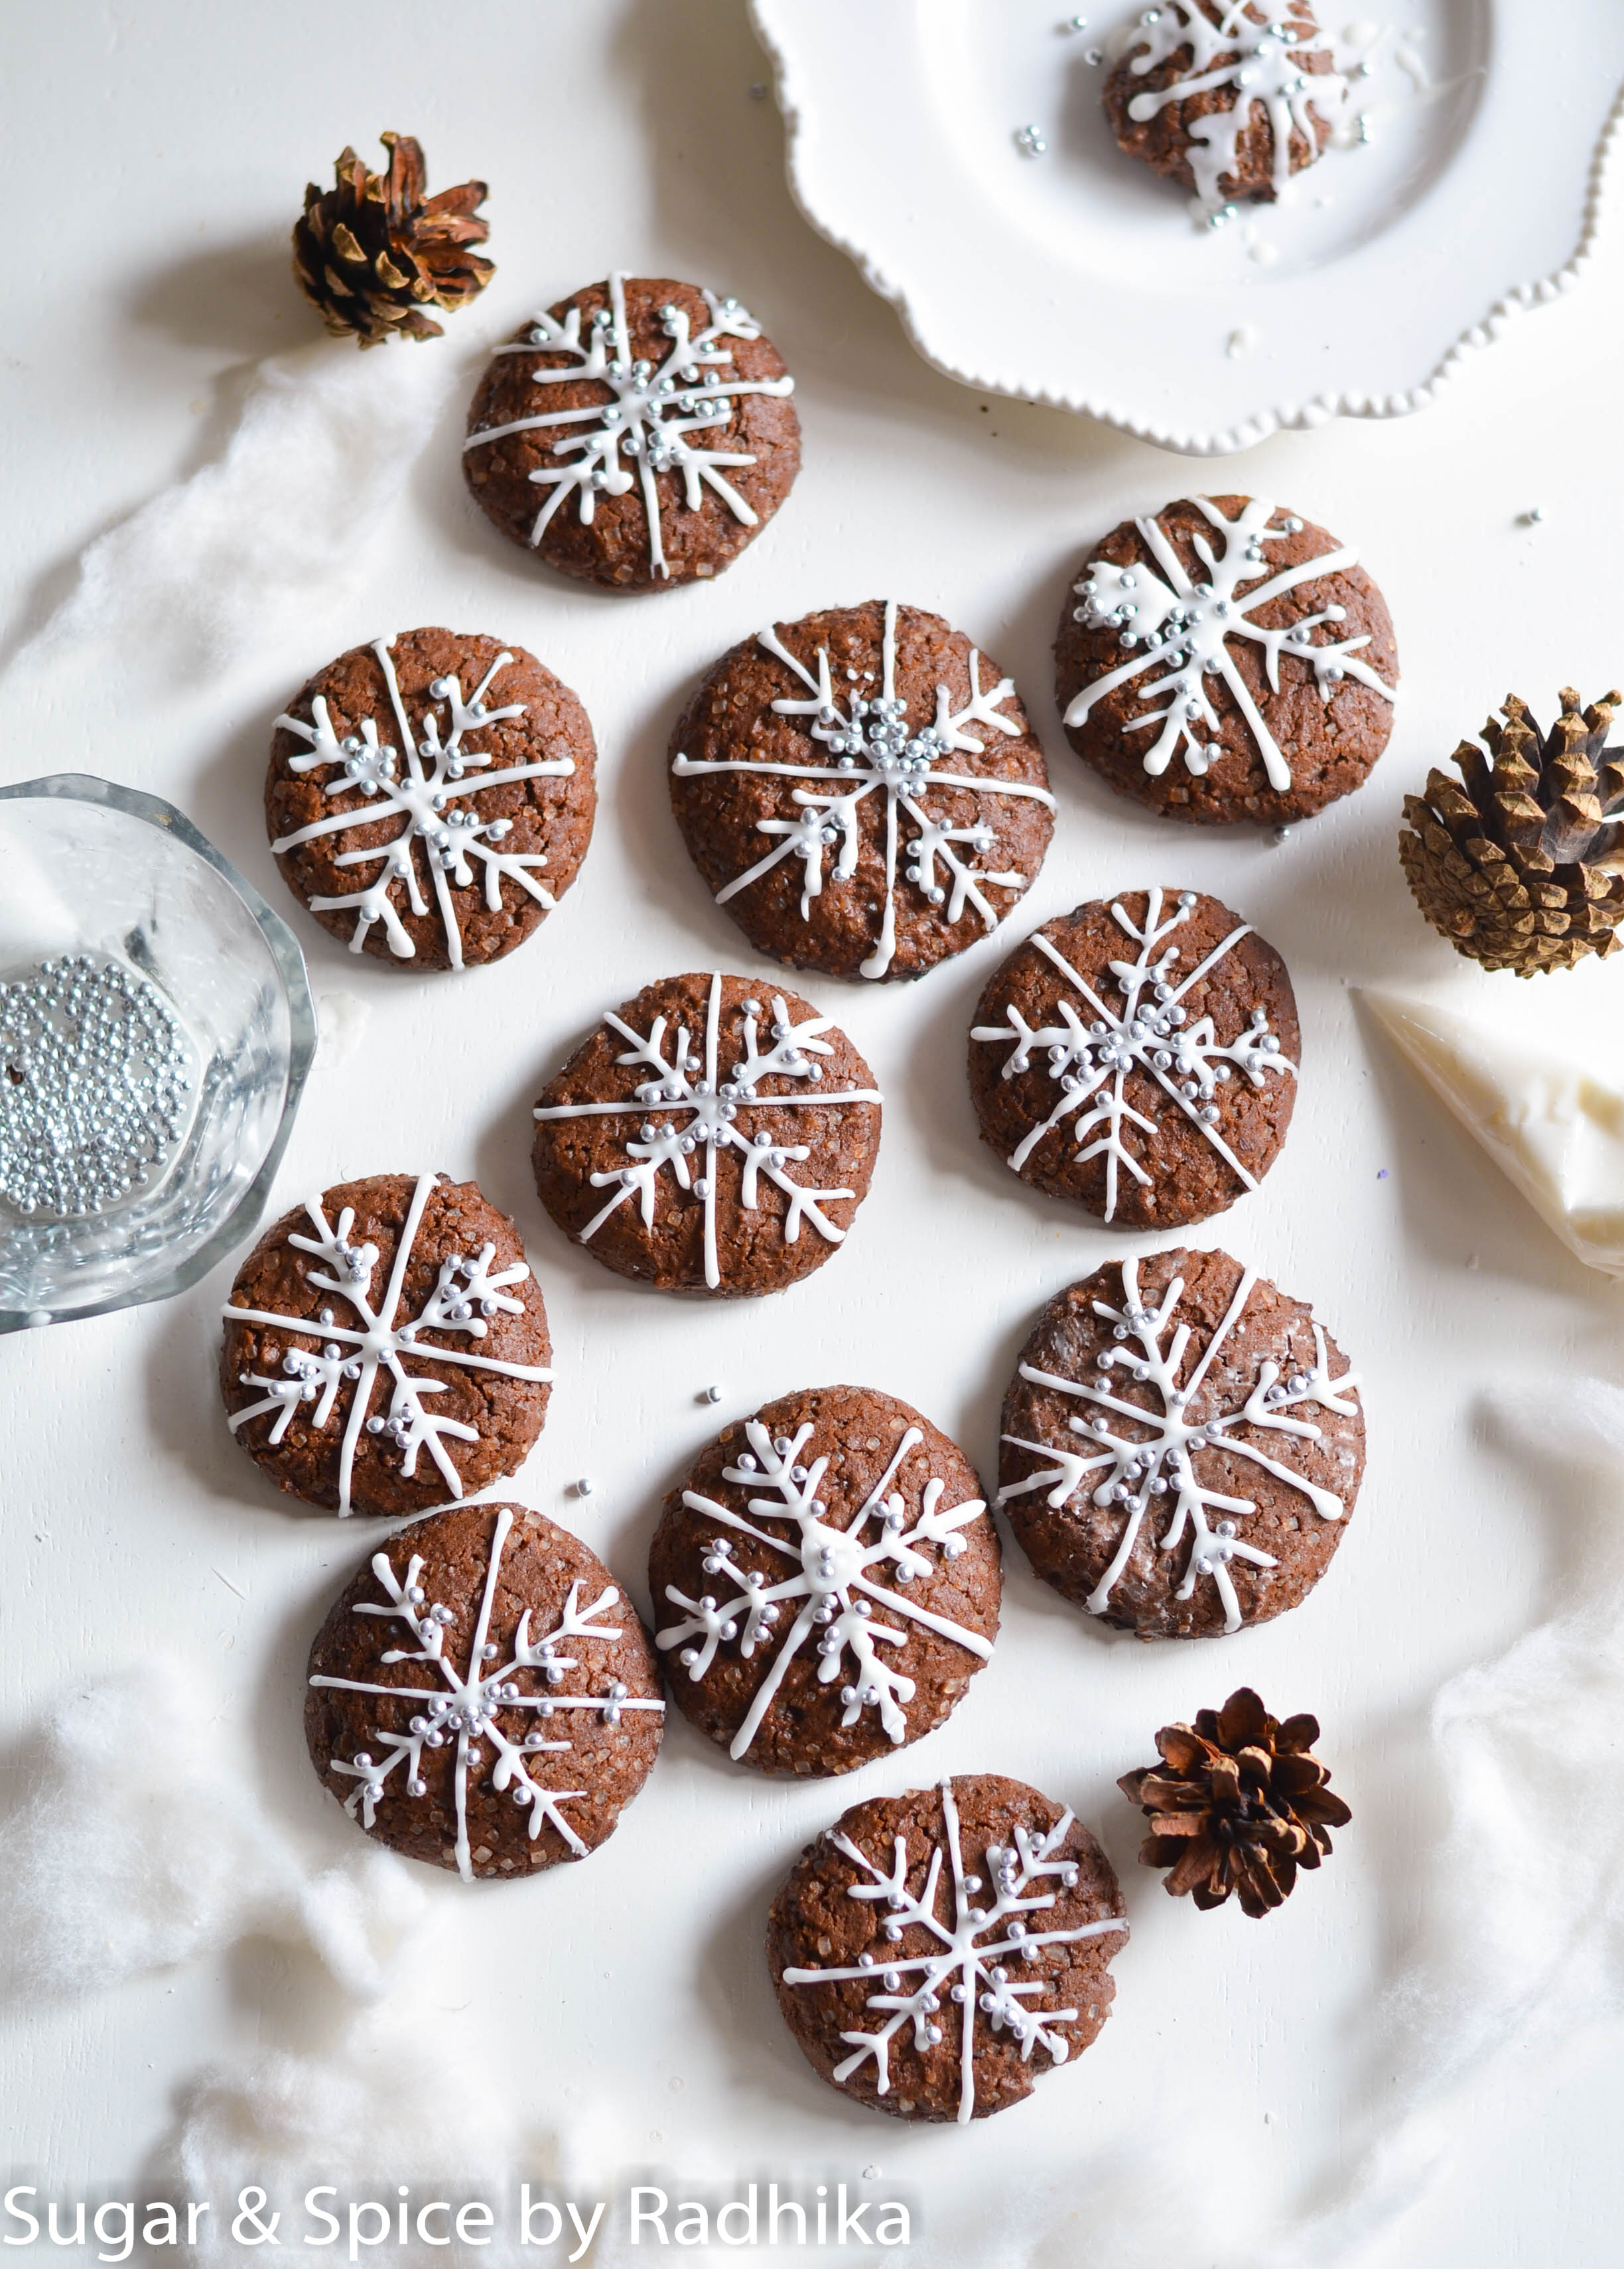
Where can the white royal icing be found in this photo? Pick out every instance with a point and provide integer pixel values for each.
(692, 1104)
(1130, 1472)
(443, 831)
(976, 1946)
(652, 411)
(1090, 1052)
(1184, 630)
(875, 748)
(1262, 61)
(465, 1295)
(464, 1702)
(836, 1583)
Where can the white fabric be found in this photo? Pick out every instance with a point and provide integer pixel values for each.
(376, 2108)
(1550, 1119)
(255, 543)
(141, 1841)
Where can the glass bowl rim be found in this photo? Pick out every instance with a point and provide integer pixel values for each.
(245, 1215)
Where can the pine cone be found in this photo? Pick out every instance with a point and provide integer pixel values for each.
(371, 252)
(1237, 1804)
(1520, 869)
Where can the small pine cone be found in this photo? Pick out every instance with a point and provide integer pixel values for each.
(1521, 867)
(1237, 1804)
(372, 253)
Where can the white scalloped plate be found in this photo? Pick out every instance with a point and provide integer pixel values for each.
(1077, 278)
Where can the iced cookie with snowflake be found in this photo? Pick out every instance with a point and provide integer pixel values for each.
(1227, 661)
(637, 435)
(484, 1696)
(861, 791)
(935, 1953)
(712, 1135)
(386, 1347)
(1229, 97)
(826, 1582)
(431, 797)
(1138, 1056)
(1183, 1444)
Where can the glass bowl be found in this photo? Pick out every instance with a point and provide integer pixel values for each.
(149, 942)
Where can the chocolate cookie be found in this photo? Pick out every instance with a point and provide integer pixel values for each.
(484, 1696)
(636, 436)
(861, 790)
(932, 1953)
(431, 797)
(829, 1580)
(711, 1136)
(1229, 100)
(1152, 1090)
(1181, 1445)
(403, 1363)
(1192, 674)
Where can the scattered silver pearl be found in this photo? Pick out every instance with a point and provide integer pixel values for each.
(1030, 142)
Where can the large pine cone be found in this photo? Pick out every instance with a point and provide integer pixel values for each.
(372, 253)
(1237, 1804)
(1519, 868)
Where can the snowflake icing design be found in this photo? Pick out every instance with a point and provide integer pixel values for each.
(465, 1705)
(875, 748)
(1263, 61)
(694, 1105)
(975, 1947)
(1091, 1053)
(438, 835)
(652, 414)
(1131, 1473)
(840, 1578)
(1184, 629)
(465, 1297)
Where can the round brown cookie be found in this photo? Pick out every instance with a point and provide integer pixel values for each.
(712, 1135)
(825, 1583)
(861, 790)
(1139, 1055)
(484, 1696)
(386, 1349)
(1182, 1447)
(1199, 85)
(1169, 652)
(431, 797)
(934, 1953)
(636, 436)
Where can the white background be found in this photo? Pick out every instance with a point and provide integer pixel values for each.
(155, 157)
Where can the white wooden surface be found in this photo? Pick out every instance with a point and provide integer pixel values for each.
(154, 158)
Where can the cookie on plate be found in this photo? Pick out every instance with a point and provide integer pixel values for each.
(386, 1349)
(712, 1135)
(825, 1582)
(483, 1695)
(934, 1953)
(1138, 1056)
(1225, 661)
(1231, 101)
(1183, 1444)
(431, 797)
(637, 436)
(861, 791)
